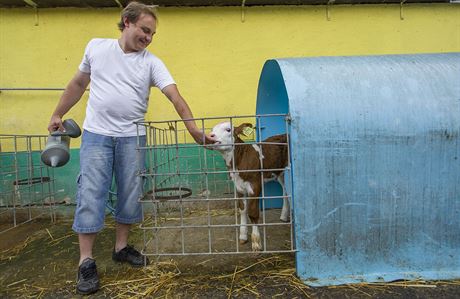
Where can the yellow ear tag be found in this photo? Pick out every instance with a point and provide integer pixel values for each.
(248, 131)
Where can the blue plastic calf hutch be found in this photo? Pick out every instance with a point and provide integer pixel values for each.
(375, 153)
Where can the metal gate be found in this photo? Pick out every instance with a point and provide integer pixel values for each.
(190, 203)
(26, 185)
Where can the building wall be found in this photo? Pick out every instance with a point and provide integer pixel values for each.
(214, 56)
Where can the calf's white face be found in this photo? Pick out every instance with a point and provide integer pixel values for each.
(223, 134)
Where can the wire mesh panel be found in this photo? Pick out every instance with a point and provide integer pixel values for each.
(26, 185)
(191, 204)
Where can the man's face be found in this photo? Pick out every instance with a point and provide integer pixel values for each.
(139, 35)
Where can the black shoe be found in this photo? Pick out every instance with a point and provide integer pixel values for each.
(87, 279)
(130, 255)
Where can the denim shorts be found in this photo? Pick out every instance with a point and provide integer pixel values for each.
(101, 157)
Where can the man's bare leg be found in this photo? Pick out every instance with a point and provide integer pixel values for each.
(122, 232)
(86, 242)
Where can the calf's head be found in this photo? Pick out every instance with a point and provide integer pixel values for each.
(226, 135)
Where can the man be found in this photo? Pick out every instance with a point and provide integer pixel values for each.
(121, 73)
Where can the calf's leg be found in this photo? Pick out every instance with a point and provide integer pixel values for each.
(285, 211)
(253, 212)
(243, 207)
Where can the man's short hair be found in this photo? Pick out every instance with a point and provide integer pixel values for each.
(133, 11)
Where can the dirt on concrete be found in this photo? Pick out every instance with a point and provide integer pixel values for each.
(39, 260)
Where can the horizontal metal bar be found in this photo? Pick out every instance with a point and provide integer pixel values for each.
(211, 172)
(12, 136)
(210, 118)
(210, 147)
(218, 252)
(32, 89)
(188, 200)
(208, 226)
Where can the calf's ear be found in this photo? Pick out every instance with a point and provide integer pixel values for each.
(240, 129)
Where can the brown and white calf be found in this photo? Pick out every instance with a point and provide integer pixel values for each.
(251, 161)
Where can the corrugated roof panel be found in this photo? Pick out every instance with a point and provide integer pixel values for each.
(114, 3)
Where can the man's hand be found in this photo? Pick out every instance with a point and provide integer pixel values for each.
(55, 124)
(202, 138)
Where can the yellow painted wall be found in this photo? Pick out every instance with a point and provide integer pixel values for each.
(215, 58)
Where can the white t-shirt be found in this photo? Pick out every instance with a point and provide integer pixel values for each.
(120, 87)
